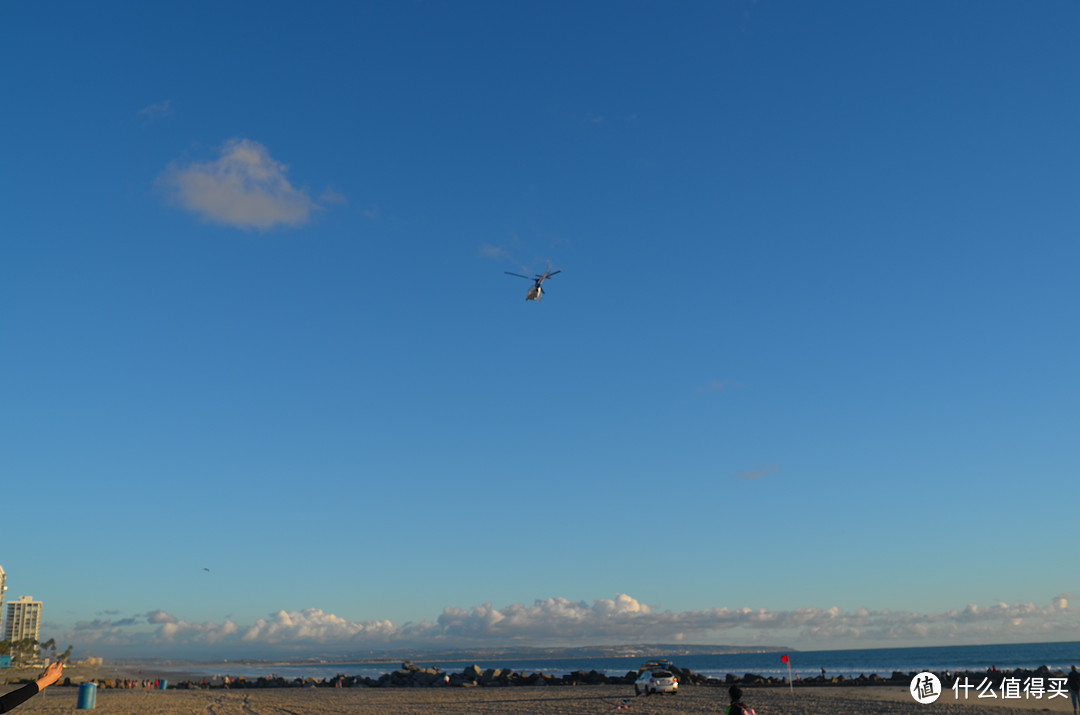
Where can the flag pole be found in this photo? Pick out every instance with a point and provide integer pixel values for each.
(791, 684)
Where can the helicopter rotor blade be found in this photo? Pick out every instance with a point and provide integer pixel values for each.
(518, 275)
(549, 275)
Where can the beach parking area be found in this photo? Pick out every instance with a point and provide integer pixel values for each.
(513, 701)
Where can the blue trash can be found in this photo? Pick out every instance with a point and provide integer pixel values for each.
(164, 684)
(87, 692)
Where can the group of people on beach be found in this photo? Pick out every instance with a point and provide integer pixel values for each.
(130, 684)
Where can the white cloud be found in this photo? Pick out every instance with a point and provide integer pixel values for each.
(330, 196)
(245, 187)
(758, 472)
(489, 251)
(314, 626)
(156, 111)
(551, 619)
(719, 386)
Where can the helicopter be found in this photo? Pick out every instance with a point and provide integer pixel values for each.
(536, 292)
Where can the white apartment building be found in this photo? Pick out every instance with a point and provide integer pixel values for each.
(23, 619)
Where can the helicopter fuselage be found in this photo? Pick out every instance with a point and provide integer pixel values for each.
(536, 292)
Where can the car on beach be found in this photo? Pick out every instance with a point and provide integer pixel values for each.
(654, 677)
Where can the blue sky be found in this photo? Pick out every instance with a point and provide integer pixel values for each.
(807, 377)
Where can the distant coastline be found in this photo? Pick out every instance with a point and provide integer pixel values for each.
(463, 655)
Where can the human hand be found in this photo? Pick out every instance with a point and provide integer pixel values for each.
(51, 675)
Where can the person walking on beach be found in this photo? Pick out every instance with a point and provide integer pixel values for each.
(1073, 684)
(15, 698)
(737, 707)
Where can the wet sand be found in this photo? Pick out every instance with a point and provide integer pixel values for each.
(883, 700)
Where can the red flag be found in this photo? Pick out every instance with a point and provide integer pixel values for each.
(783, 659)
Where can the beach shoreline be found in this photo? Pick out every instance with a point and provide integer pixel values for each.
(409, 676)
(541, 700)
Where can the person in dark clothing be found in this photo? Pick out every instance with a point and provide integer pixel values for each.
(1072, 682)
(737, 707)
(15, 698)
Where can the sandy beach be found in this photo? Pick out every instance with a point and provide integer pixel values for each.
(515, 700)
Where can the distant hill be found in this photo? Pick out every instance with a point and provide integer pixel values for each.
(642, 650)
(491, 654)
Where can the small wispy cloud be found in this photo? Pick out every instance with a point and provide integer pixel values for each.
(157, 111)
(613, 120)
(757, 473)
(330, 196)
(245, 188)
(487, 250)
(719, 386)
(508, 251)
(106, 624)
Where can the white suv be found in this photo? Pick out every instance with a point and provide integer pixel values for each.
(654, 680)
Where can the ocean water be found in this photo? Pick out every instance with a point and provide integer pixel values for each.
(804, 664)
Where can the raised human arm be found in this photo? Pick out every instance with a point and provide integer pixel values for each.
(15, 698)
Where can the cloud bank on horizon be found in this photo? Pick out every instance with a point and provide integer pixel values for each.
(560, 622)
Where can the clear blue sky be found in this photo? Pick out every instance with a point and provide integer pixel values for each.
(808, 376)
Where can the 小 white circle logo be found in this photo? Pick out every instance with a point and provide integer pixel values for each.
(925, 688)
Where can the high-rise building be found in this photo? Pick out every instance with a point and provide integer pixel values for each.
(23, 619)
(3, 587)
